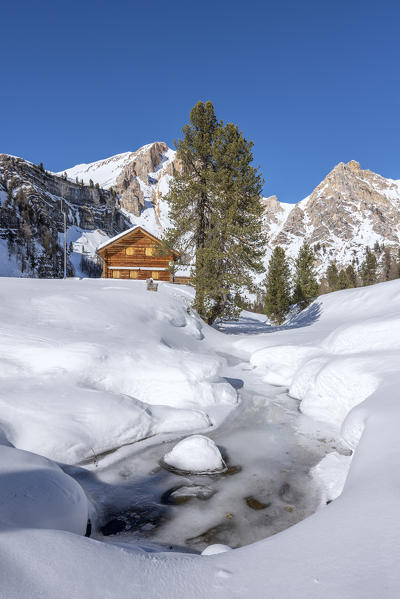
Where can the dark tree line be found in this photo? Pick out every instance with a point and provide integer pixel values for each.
(283, 290)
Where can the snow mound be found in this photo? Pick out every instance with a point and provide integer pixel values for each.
(336, 353)
(89, 365)
(214, 549)
(195, 454)
(36, 493)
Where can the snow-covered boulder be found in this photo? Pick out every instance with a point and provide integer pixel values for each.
(214, 549)
(195, 454)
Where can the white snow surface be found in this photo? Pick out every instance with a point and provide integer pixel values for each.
(196, 453)
(35, 493)
(104, 172)
(90, 365)
(63, 341)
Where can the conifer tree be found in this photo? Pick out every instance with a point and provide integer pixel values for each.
(332, 275)
(351, 276)
(390, 268)
(343, 280)
(306, 285)
(216, 211)
(190, 196)
(368, 268)
(277, 297)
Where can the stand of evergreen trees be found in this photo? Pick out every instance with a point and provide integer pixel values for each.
(283, 290)
(32, 238)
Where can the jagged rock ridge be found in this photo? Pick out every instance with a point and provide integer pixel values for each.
(350, 209)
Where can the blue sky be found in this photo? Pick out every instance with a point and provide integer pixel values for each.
(311, 83)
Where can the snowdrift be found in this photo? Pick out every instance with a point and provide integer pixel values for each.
(89, 365)
(336, 353)
(325, 356)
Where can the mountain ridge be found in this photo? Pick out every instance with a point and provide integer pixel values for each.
(349, 209)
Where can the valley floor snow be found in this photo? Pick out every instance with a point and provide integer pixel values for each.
(89, 366)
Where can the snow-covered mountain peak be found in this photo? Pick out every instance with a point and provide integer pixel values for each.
(104, 172)
(350, 209)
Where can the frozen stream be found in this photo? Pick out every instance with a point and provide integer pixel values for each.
(269, 447)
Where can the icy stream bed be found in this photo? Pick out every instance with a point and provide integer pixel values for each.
(269, 448)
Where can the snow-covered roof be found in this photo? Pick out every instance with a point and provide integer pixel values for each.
(103, 245)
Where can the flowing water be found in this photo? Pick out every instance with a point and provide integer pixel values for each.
(269, 447)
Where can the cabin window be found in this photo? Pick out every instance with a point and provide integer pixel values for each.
(129, 251)
(154, 274)
(115, 274)
(133, 274)
(149, 251)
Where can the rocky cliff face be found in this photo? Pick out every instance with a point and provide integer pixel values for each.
(100, 199)
(31, 220)
(140, 178)
(350, 209)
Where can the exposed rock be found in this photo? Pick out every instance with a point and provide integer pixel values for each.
(31, 216)
(255, 504)
(139, 181)
(350, 209)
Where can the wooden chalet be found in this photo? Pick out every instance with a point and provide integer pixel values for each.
(135, 254)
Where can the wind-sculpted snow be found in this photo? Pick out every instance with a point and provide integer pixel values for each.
(348, 549)
(341, 359)
(87, 366)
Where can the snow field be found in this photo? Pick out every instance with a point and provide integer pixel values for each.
(348, 549)
(350, 344)
(89, 365)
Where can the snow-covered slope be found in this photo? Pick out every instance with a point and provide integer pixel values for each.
(340, 357)
(349, 210)
(104, 172)
(140, 178)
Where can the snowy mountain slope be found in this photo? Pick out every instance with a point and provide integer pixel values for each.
(350, 209)
(104, 172)
(140, 179)
(31, 218)
(347, 549)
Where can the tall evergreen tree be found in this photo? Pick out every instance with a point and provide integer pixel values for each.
(368, 268)
(190, 197)
(332, 275)
(306, 285)
(343, 279)
(390, 268)
(351, 276)
(278, 296)
(216, 211)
